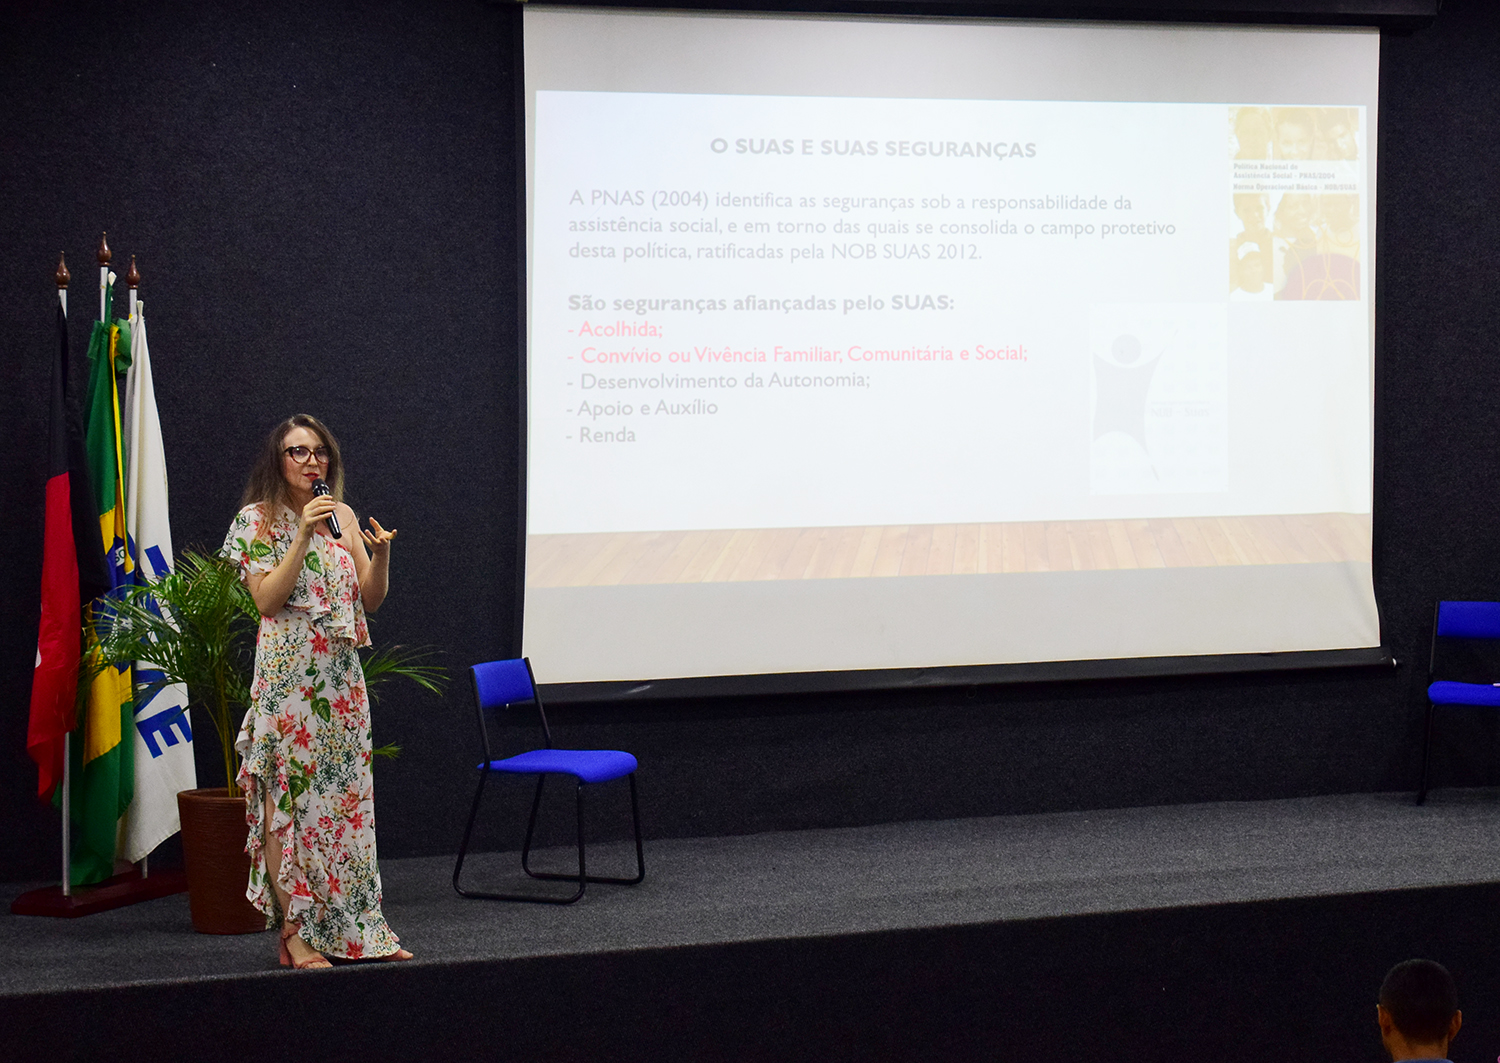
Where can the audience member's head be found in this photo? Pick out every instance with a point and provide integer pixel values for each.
(1418, 1011)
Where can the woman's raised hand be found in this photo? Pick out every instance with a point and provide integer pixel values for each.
(377, 540)
(316, 510)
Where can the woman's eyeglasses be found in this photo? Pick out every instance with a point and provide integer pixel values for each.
(301, 454)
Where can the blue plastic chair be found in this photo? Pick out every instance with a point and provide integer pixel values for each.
(501, 685)
(1458, 620)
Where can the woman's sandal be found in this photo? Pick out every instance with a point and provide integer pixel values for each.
(310, 963)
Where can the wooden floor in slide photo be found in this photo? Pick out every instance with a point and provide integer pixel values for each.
(725, 556)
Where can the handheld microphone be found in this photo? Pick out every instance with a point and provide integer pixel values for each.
(320, 488)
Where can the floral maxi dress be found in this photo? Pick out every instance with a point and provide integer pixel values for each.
(306, 738)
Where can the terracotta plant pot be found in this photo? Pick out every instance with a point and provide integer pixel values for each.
(218, 868)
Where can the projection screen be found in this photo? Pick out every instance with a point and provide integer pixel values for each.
(859, 343)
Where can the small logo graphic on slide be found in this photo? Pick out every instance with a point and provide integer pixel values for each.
(1158, 399)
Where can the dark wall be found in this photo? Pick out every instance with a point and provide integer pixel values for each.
(322, 202)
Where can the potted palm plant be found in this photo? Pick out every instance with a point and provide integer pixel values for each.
(196, 626)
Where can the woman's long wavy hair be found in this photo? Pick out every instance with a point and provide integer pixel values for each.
(267, 483)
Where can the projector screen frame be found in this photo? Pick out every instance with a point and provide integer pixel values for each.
(1398, 16)
(523, 300)
(1385, 15)
(972, 675)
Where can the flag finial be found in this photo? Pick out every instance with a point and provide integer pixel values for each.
(62, 275)
(133, 278)
(104, 252)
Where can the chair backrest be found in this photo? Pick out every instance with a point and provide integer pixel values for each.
(1466, 642)
(1468, 620)
(501, 684)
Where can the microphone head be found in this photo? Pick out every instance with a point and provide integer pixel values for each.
(319, 487)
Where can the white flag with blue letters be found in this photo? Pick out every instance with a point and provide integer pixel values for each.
(163, 731)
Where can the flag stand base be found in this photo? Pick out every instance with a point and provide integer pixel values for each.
(117, 892)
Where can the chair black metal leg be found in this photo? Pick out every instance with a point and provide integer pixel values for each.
(640, 858)
(463, 846)
(536, 804)
(1426, 753)
(583, 877)
(635, 818)
(463, 849)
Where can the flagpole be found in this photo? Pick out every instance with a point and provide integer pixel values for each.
(105, 277)
(62, 278)
(133, 280)
(103, 254)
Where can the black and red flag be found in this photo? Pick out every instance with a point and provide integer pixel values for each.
(73, 574)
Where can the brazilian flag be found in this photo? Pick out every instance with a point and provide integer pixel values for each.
(103, 770)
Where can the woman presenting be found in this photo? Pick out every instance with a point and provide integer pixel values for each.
(305, 742)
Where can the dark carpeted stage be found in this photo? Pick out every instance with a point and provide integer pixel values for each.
(325, 203)
(1232, 931)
